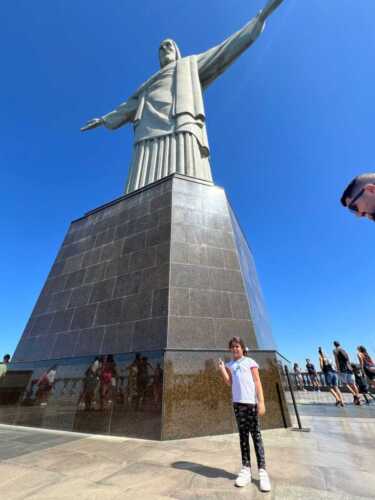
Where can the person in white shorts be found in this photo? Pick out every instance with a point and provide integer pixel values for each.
(248, 404)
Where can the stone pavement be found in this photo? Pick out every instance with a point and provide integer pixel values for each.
(333, 461)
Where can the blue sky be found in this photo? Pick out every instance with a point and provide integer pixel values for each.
(289, 124)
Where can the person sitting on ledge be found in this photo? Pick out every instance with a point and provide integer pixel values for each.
(4, 365)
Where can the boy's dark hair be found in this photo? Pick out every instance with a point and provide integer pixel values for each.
(237, 340)
(7, 356)
(356, 185)
(336, 343)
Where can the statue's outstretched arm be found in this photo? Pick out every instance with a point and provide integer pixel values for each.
(116, 118)
(215, 61)
(269, 8)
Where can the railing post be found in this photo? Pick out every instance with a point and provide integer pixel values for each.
(300, 428)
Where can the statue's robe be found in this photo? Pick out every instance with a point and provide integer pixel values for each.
(168, 113)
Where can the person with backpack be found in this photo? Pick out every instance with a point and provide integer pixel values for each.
(367, 364)
(242, 374)
(345, 370)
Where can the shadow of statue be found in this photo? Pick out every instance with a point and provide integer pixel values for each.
(204, 470)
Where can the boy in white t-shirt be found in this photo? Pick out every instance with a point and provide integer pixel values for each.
(248, 403)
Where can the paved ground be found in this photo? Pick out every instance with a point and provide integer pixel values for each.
(334, 461)
(322, 403)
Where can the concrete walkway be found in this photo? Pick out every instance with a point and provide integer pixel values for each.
(334, 461)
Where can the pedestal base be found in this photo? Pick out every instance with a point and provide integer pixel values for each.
(153, 284)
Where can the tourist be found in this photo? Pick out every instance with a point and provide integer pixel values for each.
(298, 377)
(359, 196)
(361, 382)
(248, 403)
(45, 385)
(108, 381)
(367, 364)
(132, 386)
(331, 378)
(90, 385)
(4, 365)
(312, 375)
(345, 370)
(157, 384)
(143, 379)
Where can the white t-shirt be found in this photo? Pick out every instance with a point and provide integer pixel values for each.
(243, 387)
(51, 376)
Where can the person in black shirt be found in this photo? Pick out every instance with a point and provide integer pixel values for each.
(331, 378)
(345, 370)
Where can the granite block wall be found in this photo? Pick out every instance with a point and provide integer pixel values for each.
(107, 291)
(208, 301)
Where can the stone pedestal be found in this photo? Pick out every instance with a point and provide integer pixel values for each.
(159, 279)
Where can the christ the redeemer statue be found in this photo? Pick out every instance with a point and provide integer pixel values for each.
(167, 110)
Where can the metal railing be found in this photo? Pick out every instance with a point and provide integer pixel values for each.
(305, 381)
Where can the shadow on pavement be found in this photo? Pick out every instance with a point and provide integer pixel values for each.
(204, 470)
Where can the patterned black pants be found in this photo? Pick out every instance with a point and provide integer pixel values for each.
(248, 423)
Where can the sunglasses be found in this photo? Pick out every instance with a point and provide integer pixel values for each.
(352, 207)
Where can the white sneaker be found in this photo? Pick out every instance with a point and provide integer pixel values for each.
(264, 480)
(244, 477)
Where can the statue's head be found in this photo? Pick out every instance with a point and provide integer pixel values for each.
(168, 52)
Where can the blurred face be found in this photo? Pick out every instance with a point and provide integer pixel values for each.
(167, 52)
(237, 351)
(362, 203)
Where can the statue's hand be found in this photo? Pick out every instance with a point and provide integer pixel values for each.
(95, 122)
(269, 8)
